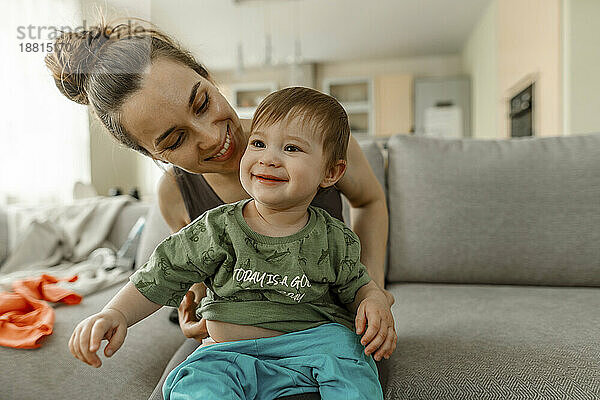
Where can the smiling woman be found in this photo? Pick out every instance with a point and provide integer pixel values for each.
(155, 98)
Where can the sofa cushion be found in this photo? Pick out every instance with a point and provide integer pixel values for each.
(519, 211)
(52, 372)
(494, 342)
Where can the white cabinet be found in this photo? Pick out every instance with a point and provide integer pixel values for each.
(443, 106)
(356, 96)
(247, 96)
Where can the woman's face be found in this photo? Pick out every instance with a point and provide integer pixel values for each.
(182, 118)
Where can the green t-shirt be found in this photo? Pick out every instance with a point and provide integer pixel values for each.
(286, 283)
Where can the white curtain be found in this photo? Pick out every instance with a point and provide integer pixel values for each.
(44, 137)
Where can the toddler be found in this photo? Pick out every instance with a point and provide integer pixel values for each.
(287, 294)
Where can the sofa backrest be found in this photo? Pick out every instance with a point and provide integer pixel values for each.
(518, 211)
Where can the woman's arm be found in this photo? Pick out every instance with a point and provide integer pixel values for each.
(369, 219)
(369, 215)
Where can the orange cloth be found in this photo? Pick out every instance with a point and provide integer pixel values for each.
(25, 318)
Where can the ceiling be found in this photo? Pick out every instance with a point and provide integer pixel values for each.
(311, 30)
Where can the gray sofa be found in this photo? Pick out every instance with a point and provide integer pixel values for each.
(494, 261)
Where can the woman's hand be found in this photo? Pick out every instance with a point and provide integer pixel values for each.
(190, 326)
(108, 324)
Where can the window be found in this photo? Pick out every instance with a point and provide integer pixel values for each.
(44, 137)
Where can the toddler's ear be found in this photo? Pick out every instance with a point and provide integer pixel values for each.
(334, 174)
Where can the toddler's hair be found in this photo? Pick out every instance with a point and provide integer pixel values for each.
(320, 110)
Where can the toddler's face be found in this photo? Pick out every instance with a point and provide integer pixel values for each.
(283, 165)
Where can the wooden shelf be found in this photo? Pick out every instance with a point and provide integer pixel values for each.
(356, 96)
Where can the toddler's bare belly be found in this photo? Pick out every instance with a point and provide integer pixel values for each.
(226, 332)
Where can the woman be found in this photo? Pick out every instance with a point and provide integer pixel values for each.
(155, 98)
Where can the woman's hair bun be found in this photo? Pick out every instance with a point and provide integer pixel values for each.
(74, 56)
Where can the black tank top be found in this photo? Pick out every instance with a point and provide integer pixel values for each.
(198, 196)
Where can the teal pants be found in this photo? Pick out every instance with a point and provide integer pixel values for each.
(328, 359)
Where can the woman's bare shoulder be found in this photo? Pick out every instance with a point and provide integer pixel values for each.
(171, 202)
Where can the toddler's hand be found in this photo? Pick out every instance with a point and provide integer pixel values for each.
(85, 341)
(380, 336)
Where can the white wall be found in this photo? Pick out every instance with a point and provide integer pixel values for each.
(529, 48)
(480, 58)
(515, 43)
(581, 48)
